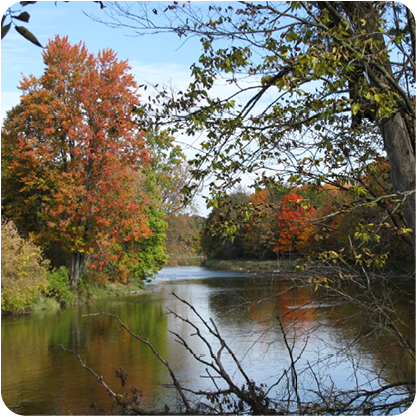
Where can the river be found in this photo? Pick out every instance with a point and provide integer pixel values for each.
(39, 378)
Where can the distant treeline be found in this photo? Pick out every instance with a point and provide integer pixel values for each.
(286, 221)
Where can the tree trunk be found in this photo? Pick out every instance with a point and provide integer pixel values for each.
(402, 158)
(77, 267)
(398, 139)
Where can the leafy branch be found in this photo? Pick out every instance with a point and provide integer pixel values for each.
(21, 17)
(18, 15)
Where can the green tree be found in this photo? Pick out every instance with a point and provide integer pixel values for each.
(169, 168)
(332, 88)
(171, 173)
(150, 252)
(375, 231)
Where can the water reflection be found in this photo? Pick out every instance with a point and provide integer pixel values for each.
(39, 378)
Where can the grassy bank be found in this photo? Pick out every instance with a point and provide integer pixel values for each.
(250, 265)
(184, 260)
(86, 293)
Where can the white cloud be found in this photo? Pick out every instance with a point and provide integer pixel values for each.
(158, 72)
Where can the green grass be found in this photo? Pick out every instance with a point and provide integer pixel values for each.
(249, 265)
(45, 303)
(180, 260)
(85, 294)
(111, 288)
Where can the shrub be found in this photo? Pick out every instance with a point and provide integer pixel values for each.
(58, 286)
(23, 270)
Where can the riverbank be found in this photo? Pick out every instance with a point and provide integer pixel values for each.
(84, 295)
(250, 265)
(90, 291)
(184, 260)
(302, 269)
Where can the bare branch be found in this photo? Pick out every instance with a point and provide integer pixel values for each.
(147, 343)
(99, 378)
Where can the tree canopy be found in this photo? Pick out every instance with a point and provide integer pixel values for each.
(316, 91)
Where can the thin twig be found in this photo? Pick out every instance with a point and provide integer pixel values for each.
(99, 378)
(294, 378)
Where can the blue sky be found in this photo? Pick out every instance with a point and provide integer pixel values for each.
(156, 58)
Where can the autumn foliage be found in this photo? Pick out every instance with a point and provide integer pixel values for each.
(293, 224)
(23, 269)
(75, 150)
(315, 221)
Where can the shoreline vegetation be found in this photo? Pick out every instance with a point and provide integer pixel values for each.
(97, 290)
(83, 295)
(63, 296)
(88, 291)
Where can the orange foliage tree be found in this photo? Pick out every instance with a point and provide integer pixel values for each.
(294, 226)
(76, 150)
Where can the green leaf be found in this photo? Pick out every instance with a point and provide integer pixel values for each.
(356, 108)
(295, 5)
(378, 98)
(24, 17)
(5, 29)
(28, 35)
(358, 190)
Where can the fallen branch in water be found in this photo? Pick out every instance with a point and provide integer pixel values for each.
(99, 378)
(177, 385)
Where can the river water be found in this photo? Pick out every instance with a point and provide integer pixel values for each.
(39, 378)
